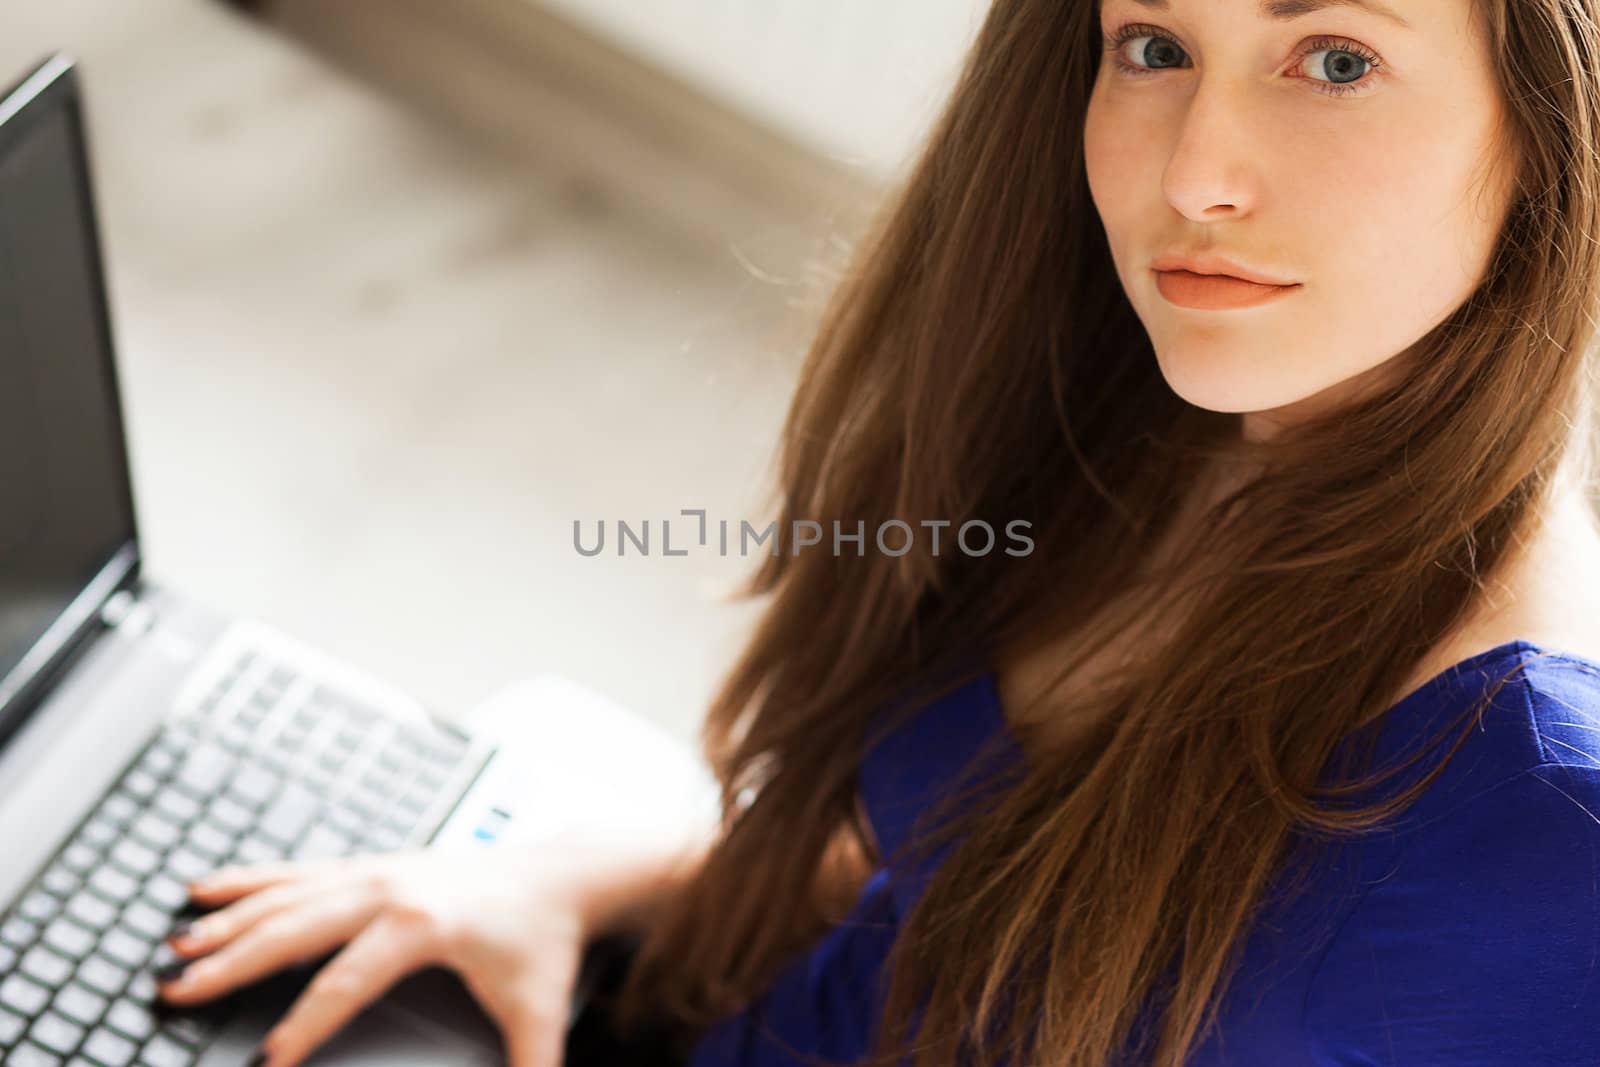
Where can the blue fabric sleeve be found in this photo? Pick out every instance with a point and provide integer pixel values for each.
(1479, 943)
(823, 1002)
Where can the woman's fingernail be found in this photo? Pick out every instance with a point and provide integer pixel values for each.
(259, 1058)
(170, 972)
(181, 929)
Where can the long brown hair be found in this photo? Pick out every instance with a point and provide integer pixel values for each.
(979, 360)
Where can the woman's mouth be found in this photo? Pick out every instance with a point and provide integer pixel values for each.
(1215, 292)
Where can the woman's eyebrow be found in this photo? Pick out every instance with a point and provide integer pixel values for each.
(1284, 10)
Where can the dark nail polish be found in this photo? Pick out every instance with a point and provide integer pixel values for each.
(258, 1059)
(169, 972)
(180, 929)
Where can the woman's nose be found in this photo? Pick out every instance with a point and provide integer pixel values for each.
(1212, 167)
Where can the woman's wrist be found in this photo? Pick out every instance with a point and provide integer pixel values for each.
(626, 883)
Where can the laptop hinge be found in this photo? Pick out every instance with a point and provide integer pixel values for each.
(128, 610)
(71, 633)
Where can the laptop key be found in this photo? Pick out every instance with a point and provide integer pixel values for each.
(291, 738)
(113, 884)
(80, 857)
(417, 799)
(230, 815)
(69, 939)
(359, 808)
(156, 830)
(347, 821)
(210, 840)
(11, 1026)
(120, 808)
(59, 1035)
(322, 842)
(131, 1018)
(254, 785)
(379, 788)
(290, 814)
(256, 850)
(28, 1054)
(135, 858)
(143, 987)
(146, 921)
(278, 682)
(188, 1030)
(94, 912)
(176, 805)
(61, 881)
(162, 1051)
(109, 1048)
(140, 785)
(38, 906)
(123, 948)
(46, 967)
(401, 822)
(186, 865)
(80, 1004)
(102, 975)
(165, 892)
(204, 770)
(23, 996)
(100, 832)
(236, 738)
(158, 760)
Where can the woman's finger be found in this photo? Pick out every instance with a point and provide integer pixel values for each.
(213, 929)
(386, 951)
(535, 1028)
(234, 880)
(529, 999)
(289, 936)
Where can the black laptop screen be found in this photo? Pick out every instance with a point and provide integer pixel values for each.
(65, 503)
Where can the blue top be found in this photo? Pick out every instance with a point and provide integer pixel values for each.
(1468, 934)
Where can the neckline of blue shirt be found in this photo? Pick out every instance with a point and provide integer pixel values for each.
(992, 705)
(905, 772)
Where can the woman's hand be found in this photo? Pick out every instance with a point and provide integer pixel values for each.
(511, 920)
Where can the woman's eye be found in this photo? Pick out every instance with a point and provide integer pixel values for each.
(1158, 53)
(1342, 66)
(1338, 67)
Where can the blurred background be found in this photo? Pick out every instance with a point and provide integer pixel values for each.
(402, 288)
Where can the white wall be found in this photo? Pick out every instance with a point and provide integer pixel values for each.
(857, 79)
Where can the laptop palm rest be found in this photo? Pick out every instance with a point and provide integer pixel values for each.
(428, 1018)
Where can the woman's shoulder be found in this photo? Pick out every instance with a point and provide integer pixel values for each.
(1479, 939)
(1564, 705)
(1540, 630)
(912, 757)
(1515, 707)
(1482, 942)
(915, 756)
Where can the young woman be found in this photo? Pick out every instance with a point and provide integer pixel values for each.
(1281, 743)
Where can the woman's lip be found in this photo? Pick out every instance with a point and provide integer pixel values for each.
(1215, 292)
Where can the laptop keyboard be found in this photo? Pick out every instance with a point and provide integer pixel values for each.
(268, 765)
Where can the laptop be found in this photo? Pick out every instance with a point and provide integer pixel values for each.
(146, 738)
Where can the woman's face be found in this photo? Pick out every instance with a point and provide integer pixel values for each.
(1347, 149)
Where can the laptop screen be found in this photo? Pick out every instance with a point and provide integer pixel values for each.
(65, 502)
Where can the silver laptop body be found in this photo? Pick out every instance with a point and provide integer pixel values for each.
(145, 738)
